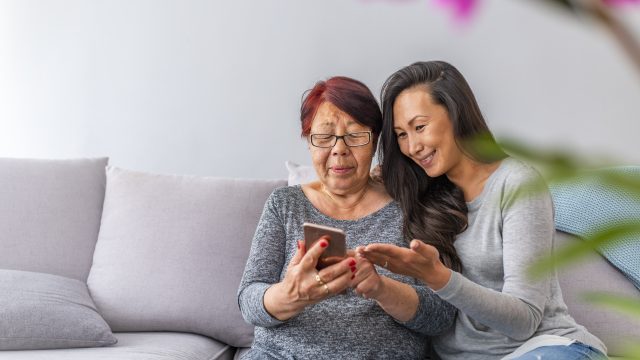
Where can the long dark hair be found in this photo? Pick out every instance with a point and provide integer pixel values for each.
(434, 208)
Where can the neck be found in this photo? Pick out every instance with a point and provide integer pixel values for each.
(346, 201)
(470, 176)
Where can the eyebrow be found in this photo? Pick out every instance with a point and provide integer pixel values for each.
(413, 119)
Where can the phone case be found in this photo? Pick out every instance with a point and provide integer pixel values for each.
(337, 249)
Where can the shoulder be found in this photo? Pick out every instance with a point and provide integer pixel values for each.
(283, 196)
(517, 174)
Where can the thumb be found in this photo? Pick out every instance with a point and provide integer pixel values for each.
(426, 250)
(299, 253)
(421, 248)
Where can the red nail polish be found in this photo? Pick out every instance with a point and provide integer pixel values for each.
(353, 269)
(324, 244)
(352, 263)
(298, 244)
(353, 277)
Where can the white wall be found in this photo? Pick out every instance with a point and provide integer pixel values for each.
(214, 87)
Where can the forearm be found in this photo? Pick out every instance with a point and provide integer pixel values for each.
(397, 299)
(499, 311)
(250, 300)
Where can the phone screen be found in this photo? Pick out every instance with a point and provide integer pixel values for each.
(337, 249)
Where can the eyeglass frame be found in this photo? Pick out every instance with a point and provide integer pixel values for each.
(342, 137)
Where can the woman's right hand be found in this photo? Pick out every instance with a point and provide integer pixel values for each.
(303, 285)
(420, 260)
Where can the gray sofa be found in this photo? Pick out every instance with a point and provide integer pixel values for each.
(161, 257)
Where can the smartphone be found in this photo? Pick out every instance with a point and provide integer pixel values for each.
(337, 249)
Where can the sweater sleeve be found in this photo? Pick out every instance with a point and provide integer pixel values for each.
(264, 266)
(527, 234)
(433, 316)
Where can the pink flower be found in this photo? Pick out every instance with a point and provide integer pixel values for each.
(620, 2)
(462, 9)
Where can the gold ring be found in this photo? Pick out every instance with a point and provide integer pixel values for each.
(326, 289)
(386, 263)
(319, 280)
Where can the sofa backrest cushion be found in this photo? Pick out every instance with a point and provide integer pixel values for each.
(50, 214)
(594, 273)
(171, 252)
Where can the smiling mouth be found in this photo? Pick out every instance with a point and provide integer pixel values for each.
(341, 169)
(426, 161)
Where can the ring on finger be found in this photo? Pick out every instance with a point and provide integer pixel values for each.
(326, 289)
(319, 280)
(386, 264)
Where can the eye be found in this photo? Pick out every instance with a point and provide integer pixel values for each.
(420, 127)
(357, 135)
(401, 135)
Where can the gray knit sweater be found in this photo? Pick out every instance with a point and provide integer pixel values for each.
(510, 226)
(345, 326)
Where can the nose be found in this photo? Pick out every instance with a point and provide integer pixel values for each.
(415, 146)
(340, 148)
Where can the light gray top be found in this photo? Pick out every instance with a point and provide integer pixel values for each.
(345, 326)
(510, 226)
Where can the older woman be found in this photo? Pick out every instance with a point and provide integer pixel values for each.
(295, 313)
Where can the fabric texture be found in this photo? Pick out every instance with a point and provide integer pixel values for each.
(574, 351)
(594, 273)
(50, 214)
(44, 311)
(500, 307)
(588, 204)
(171, 251)
(345, 326)
(138, 346)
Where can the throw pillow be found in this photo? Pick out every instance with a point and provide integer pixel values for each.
(50, 214)
(300, 174)
(44, 311)
(171, 252)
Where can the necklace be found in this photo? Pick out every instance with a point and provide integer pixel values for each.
(358, 201)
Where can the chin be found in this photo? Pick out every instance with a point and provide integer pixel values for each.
(432, 172)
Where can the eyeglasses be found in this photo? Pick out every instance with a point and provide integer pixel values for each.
(360, 138)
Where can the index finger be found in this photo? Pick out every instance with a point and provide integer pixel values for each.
(310, 258)
(381, 253)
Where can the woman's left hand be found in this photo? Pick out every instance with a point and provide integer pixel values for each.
(420, 260)
(367, 281)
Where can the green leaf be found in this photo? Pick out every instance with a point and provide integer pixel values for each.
(570, 254)
(622, 304)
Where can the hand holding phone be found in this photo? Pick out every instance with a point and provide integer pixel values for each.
(337, 249)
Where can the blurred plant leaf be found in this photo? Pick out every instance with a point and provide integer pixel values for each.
(557, 166)
(570, 254)
(563, 4)
(622, 304)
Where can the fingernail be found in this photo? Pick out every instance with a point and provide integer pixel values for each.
(352, 263)
(298, 244)
(324, 244)
(353, 277)
(353, 269)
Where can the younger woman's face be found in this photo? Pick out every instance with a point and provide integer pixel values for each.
(424, 132)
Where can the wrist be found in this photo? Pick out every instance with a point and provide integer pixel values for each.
(278, 303)
(437, 277)
(378, 293)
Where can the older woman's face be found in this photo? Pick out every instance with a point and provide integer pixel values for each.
(340, 168)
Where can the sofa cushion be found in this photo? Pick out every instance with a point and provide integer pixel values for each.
(171, 252)
(50, 214)
(44, 311)
(594, 273)
(138, 346)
